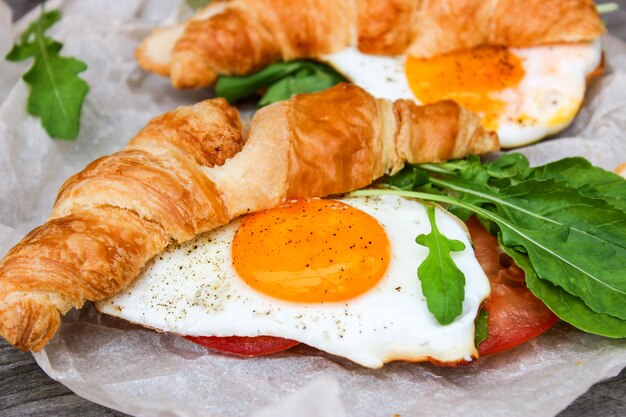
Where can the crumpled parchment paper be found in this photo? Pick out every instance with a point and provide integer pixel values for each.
(142, 372)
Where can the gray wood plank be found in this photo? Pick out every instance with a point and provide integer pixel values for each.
(25, 390)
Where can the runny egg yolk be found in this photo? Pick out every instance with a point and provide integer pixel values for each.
(469, 77)
(311, 251)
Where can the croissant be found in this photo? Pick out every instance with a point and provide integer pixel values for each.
(243, 36)
(188, 171)
(111, 218)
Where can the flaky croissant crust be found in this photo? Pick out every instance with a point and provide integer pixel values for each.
(188, 171)
(243, 36)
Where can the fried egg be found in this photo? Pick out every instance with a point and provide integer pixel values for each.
(525, 94)
(338, 275)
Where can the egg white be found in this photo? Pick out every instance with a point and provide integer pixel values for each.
(543, 103)
(192, 289)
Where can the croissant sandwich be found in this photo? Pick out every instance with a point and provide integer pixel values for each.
(194, 169)
(522, 65)
(242, 36)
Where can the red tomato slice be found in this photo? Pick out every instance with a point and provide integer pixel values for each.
(244, 346)
(515, 314)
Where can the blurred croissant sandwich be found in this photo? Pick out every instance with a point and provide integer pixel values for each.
(522, 65)
(194, 169)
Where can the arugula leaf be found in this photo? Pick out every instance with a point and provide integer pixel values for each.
(585, 254)
(282, 80)
(589, 180)
(27, 48)
(512, 168)
(443, 283)
(409, 178)
(56, 91)
(567, 307)
(481, 324)
(564, 223)
(57, 94)
(470, 169)
(507, 170)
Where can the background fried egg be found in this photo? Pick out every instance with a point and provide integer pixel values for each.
(525, 94)
(284, 273)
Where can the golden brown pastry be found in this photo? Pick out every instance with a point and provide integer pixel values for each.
(111, 218)
(175, 180)
(243, 36)
(339, 140)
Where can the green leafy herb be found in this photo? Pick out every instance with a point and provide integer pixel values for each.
(198, 4)
(564, 223)
(56, 91)
(26, 48)
(443, 283)
(282, 80)
(562, 233)
(587, 179)
(567, 306)
(481, 325)
(409, 178)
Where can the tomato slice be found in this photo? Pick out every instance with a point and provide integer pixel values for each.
(515, 314)
(244, 346)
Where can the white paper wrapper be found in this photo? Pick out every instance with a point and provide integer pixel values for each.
(145, 373)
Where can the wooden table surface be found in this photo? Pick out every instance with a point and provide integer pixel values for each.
(25, 390)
